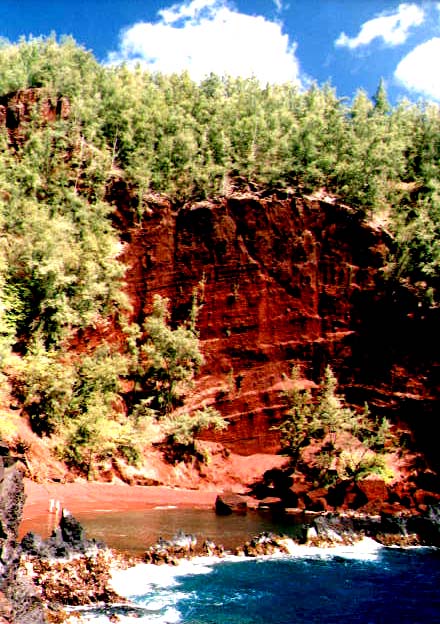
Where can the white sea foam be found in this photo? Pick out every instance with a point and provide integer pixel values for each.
(366, 550)
(156, 588)
(153, 587)
(142, 578)
(170, 616)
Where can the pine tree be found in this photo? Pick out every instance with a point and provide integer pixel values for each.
(345, 443)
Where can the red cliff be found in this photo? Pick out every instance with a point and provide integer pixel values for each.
(286, 279)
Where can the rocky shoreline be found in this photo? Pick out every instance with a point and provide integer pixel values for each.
(67, 570)
(42, 580)
(318, 530)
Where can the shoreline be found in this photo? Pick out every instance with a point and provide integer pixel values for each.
(94, 498)
(67, 570)
(89, 500)
(122, 580)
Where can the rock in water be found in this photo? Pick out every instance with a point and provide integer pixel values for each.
(228, 503)
(66, 540)
(71, 530)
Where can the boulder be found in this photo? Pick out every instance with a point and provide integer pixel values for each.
(211, 549)
(403, 492)
(71, 530)
(423, 497)
(347, 494)
(375, 490)
(428, 480)
(19, 601)
(181, 546)
(402, 528)
(426, 526)
(335, 529)
(228, 503)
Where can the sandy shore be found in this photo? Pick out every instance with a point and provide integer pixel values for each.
(93, 498)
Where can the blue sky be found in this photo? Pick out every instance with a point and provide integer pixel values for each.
(351, 43)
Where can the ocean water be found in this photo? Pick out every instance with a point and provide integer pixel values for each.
(364, 584)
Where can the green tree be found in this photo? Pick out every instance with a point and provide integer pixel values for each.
(168, 359)
(76, 400)
(344, 443)
(182, 428)
(94, 437)
(301, 425)
(44, 383)
(380, 99)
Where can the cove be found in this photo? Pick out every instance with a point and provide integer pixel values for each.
(133, 531)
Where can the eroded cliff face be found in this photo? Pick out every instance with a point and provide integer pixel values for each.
(286, 279)
(17, 108)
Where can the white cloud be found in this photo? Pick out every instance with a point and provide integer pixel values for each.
(392, 29)
(204, 36)
(418, 70)
(192, 10)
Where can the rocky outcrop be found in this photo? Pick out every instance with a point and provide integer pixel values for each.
(263, 544)
(181, 546)
(402, 529)
(80, 581)
(370, 496)
(284, 279)
(19, 603)
(67, 569)
(67, 540)
(11, 507)
(322, 530)
(185, 546)
(18, 108)
(36, 575)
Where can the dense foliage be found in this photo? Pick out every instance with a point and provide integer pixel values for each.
(323, 436)
(59, 266)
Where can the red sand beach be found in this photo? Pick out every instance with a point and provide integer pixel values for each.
(93, 498)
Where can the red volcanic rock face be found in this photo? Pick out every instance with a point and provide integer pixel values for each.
(286, 280)
(17, 108)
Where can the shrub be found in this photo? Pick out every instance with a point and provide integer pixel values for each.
(183, 428)
(167, 360)
(344, 442)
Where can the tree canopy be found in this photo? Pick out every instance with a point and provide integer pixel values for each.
(60, 270)
(171, 135)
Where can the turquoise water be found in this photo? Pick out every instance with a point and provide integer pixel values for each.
(386, 587)
(365, 584)
(397, 587)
